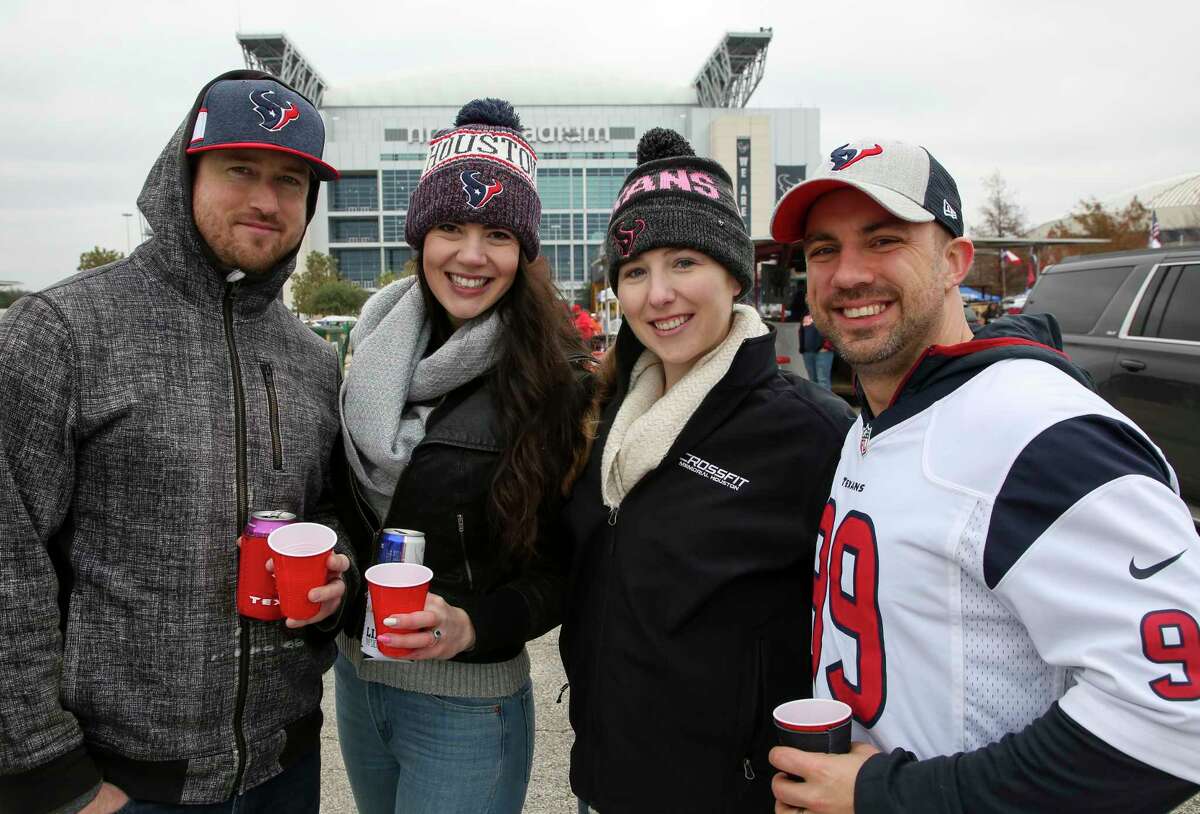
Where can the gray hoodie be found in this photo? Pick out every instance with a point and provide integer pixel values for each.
(147, 407)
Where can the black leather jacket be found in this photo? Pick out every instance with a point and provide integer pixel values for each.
(445, 492)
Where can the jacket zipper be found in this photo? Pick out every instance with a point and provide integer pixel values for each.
(462, 541)
(273, 412)
(239, 422)
(612, 548)
(759, 695)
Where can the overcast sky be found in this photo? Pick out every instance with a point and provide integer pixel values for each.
(1064, 99)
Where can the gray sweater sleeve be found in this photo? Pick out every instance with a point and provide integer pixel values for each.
(43, 764)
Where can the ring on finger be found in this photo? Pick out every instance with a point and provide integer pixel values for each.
(437, 634)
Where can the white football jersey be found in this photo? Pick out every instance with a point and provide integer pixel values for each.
(1014, 543)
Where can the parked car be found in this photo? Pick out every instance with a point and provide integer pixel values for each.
(1132, 319)
(1015, 303)
(334, 322)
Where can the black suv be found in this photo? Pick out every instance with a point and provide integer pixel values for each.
(1132, 319)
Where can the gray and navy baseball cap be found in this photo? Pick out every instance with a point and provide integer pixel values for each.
(260, 114)
(904, 179)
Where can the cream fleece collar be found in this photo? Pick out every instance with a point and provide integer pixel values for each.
(648, 421)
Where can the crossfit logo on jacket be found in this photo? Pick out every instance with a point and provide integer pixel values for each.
(723, 477)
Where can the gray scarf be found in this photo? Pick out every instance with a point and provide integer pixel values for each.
(390, 390)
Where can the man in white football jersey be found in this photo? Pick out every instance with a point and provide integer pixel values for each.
(1007, 583)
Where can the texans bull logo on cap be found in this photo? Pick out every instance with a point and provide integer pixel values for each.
(846, 155)
(478, 192)
(274, 116)
(625, 235)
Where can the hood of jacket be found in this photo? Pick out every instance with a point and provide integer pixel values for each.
(942, 369)
(177, 253)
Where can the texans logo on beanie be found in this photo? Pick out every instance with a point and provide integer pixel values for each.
(479, 193)
(625, 235)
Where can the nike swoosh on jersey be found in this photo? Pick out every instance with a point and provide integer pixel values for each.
(1146, 573)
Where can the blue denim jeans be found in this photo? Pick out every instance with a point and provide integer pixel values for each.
(413, 753)
(296, 790)
(819, 365)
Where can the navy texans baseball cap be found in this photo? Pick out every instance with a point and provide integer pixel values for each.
(904, 179)
(261, 114)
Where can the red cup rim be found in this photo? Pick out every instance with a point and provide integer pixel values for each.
(314, 540)
(839, 713)
(814, 728)
(421, 574)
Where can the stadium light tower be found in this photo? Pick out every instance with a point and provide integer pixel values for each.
(734, 70)
(275, 54)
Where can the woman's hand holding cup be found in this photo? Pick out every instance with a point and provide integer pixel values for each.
(440, 631)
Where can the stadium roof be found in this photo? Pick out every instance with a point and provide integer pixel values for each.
(1176, 202)
(521, 87)
(275, 54)
(734, 69)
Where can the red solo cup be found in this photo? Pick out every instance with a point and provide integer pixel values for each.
(396, 587)
(301, 554)
(814, 725)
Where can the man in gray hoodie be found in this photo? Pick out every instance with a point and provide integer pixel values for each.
(149, 406)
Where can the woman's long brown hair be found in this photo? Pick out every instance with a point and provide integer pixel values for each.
(543, 389)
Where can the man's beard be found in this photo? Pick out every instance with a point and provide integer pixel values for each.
(249, 258)
(921, 311)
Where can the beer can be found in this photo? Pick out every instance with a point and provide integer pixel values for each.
(263, 523)
(402, 545)
(256, 595)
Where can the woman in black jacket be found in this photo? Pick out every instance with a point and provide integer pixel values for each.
(461, 417)
(694, 522)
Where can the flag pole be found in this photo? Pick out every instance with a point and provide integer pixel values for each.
(1003, 276)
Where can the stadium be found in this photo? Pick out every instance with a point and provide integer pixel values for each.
(585, 129)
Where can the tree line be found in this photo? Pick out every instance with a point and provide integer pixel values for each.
(1001, 214)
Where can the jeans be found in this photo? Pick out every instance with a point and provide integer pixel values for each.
(819, 365)
(414, 753)
(296, 790)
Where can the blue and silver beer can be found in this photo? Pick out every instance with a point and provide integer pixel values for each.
(402, 545)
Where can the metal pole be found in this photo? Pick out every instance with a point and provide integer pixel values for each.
(1003, 282)
(128, 220)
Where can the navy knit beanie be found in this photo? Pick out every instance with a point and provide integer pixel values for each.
(480, 171)
(676, 199)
